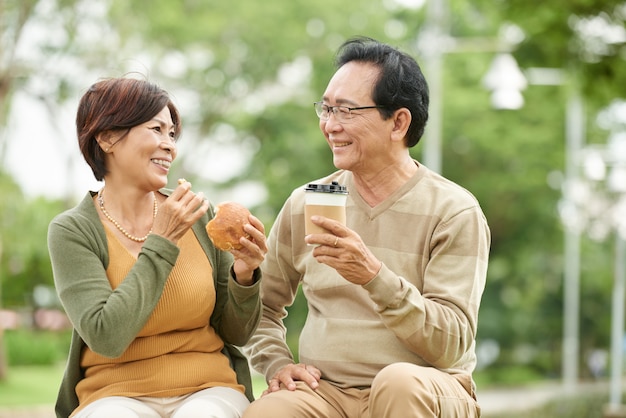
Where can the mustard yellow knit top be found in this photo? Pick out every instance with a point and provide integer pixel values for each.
(177, 352)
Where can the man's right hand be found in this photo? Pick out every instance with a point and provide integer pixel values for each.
(289, 374)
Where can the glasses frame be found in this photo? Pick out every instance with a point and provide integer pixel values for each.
(319, 108)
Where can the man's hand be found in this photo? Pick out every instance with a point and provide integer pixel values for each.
(344, 250)
(289, 374)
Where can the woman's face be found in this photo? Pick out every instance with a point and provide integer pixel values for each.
(144, 156)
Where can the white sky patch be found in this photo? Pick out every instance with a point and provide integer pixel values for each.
(44, 161)
(411, 4)
(220, 156)
(407, 4)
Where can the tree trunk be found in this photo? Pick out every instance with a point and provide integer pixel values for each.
(3, 362)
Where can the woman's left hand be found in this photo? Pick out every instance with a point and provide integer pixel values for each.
(249, 257)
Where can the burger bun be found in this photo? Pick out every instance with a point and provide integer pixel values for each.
(226, 228)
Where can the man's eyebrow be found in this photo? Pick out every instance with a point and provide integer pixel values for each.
(341, 102)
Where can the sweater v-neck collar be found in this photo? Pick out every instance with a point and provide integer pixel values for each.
(383, 206)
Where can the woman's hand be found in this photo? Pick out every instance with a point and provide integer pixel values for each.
(179, 212)
(252, 253)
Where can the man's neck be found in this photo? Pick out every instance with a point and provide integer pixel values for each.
(375, 187)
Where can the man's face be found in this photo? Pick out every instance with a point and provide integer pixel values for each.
(360, 144)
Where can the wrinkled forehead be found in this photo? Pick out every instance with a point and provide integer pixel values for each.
(352, 84)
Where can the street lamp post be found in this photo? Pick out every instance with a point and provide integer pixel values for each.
(506, 81)
(434, 43)
(617, 329)
(506, 94)
(600, 210)
(574, 138)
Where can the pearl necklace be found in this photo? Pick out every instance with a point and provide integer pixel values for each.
(120, 227)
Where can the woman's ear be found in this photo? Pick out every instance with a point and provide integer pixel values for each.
(104, 141)
(401, 122)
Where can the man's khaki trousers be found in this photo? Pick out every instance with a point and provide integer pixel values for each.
(400, 390)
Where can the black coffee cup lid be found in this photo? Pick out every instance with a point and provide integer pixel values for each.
(333, 187)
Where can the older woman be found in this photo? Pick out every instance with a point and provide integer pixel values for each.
(157, 310)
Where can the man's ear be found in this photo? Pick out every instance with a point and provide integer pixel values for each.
(401, 122)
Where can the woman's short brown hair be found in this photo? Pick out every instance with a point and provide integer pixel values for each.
(117, 105)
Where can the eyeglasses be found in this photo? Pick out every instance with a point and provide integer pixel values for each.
(342, 113)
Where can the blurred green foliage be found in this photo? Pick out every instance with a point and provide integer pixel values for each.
(27, 387)
(246, 75)
(42, 348)
(25, 263)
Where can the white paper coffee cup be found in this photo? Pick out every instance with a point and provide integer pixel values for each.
(327, 200)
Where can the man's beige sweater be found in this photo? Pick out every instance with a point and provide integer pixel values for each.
(422, 307)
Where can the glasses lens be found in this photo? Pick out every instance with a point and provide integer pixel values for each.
(342, 113)
(321, 110)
